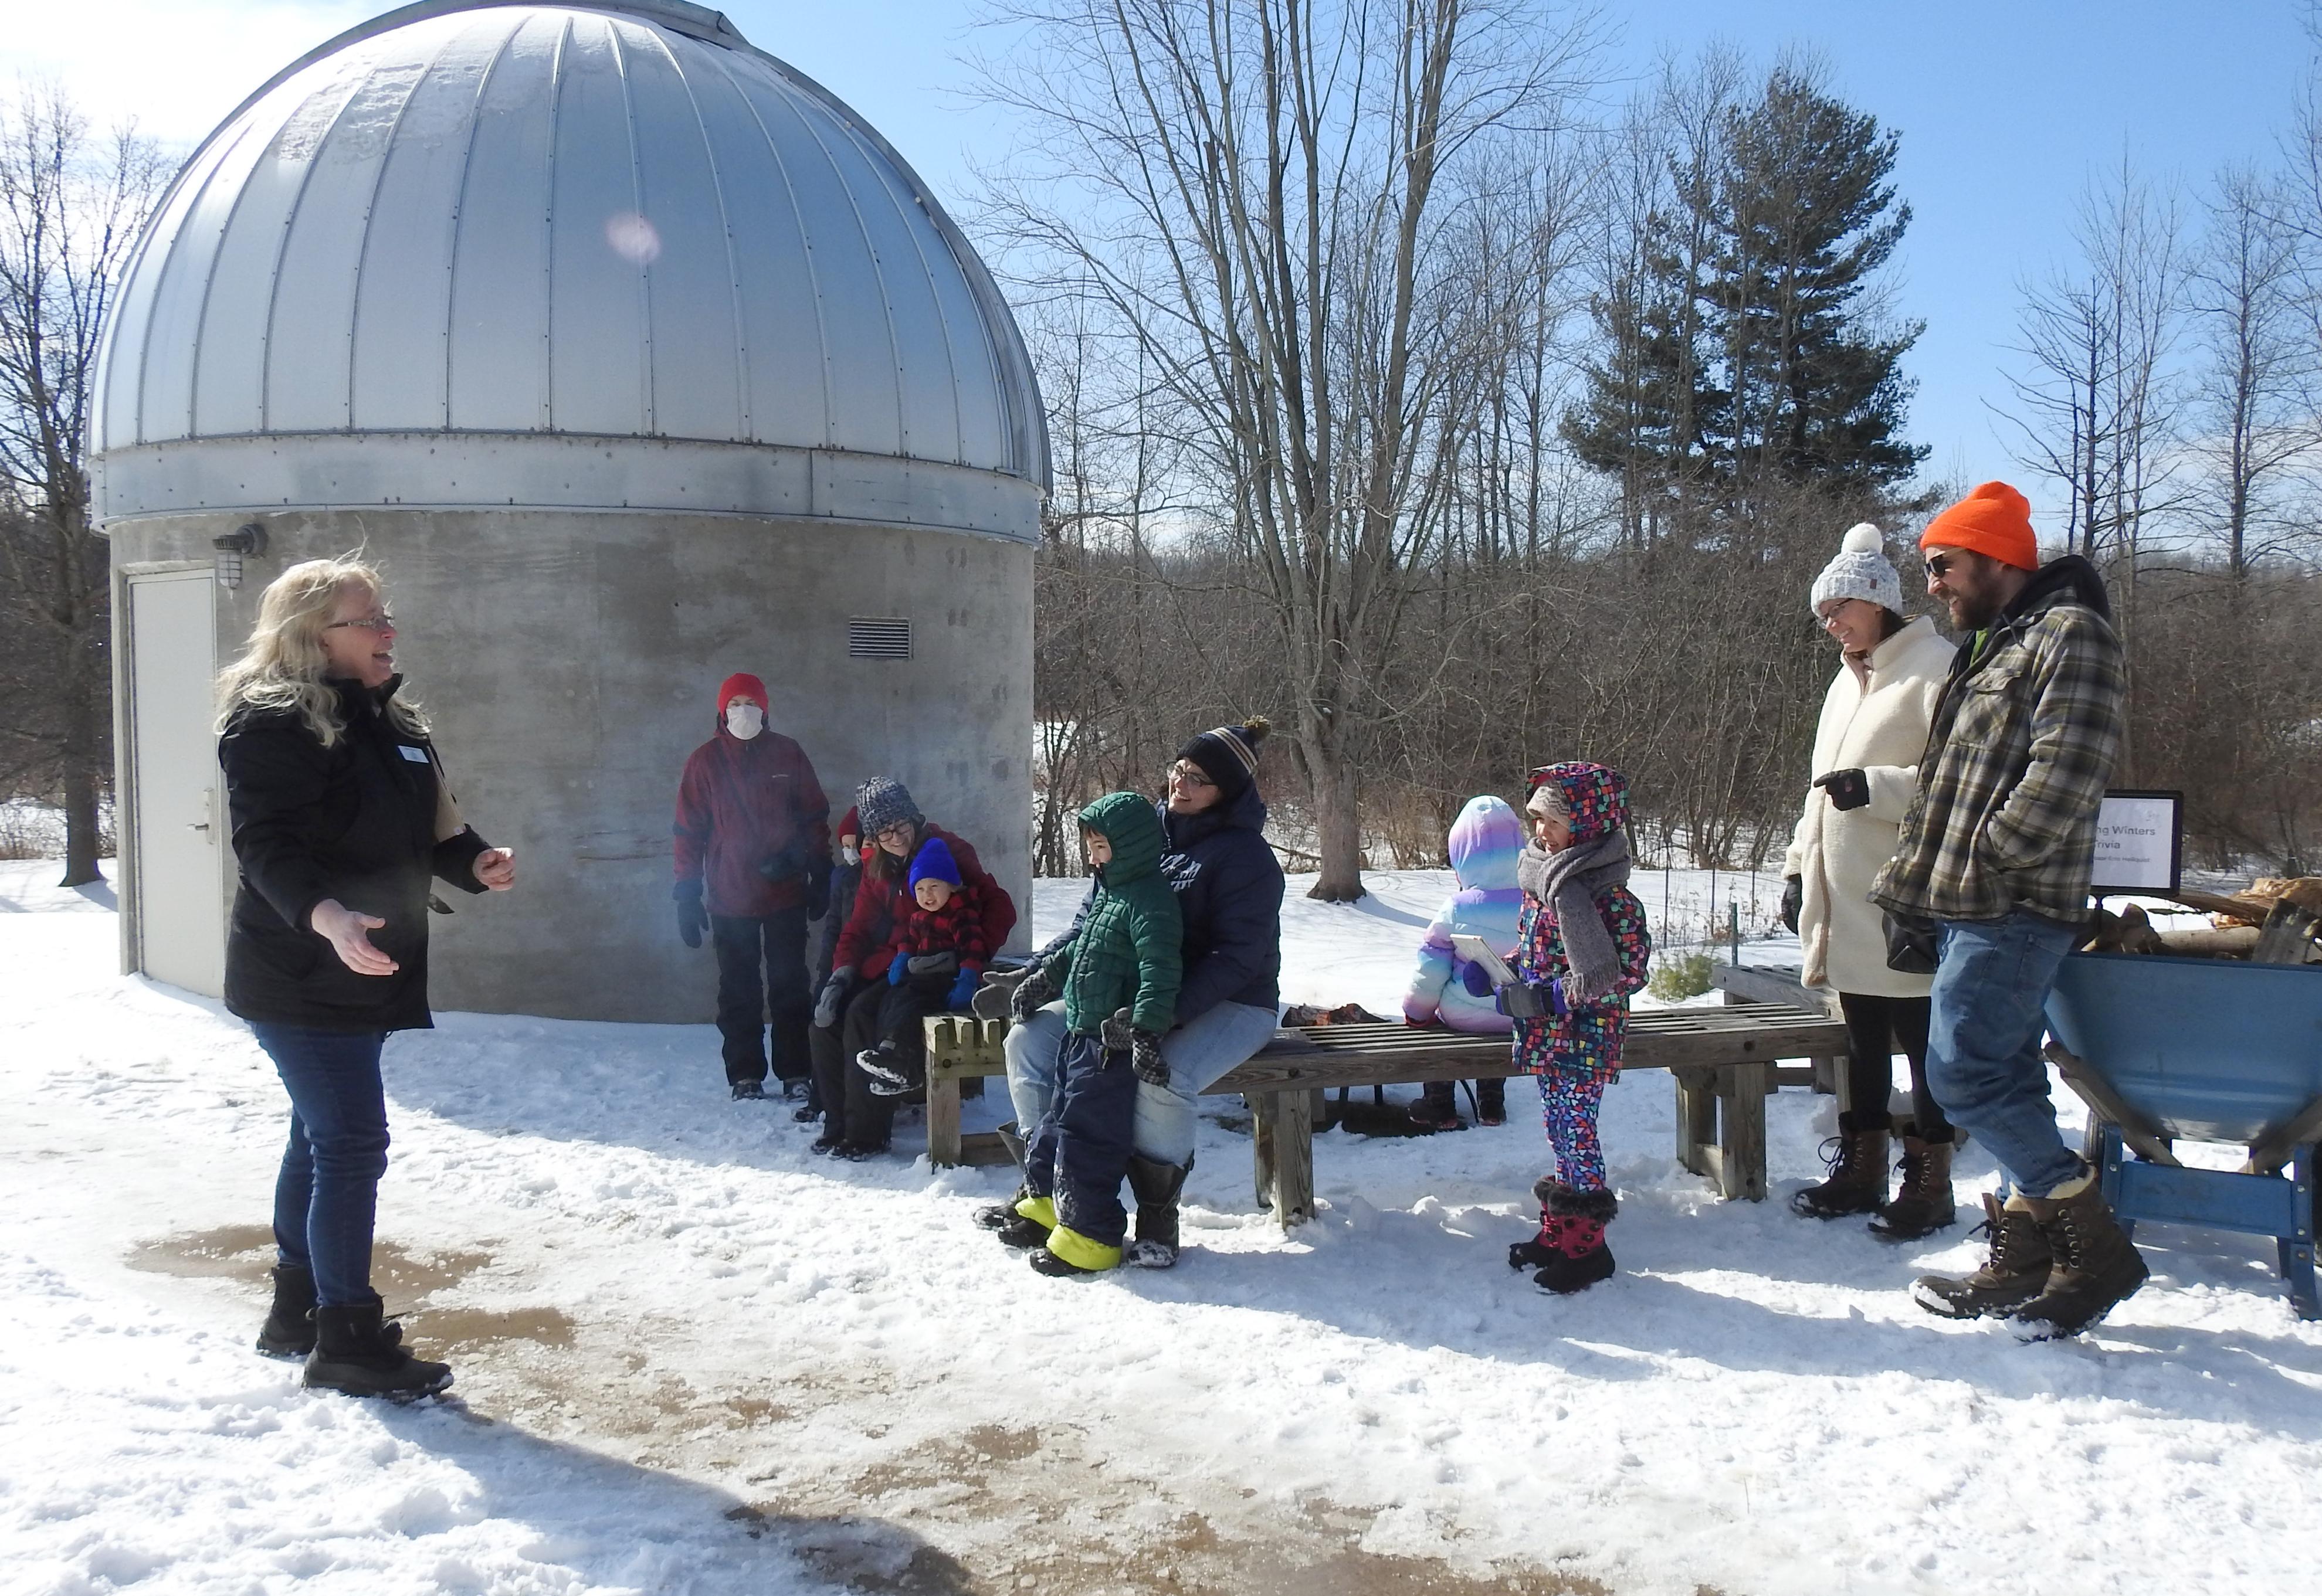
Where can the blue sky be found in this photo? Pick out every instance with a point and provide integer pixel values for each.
(2005, 109)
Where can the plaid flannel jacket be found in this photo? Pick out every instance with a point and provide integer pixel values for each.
(2024, 741)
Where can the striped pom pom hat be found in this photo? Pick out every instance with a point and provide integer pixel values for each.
(1228, 756)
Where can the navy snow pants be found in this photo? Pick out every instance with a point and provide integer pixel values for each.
(1078, 1153)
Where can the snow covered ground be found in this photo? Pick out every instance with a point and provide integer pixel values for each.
(693, 1358)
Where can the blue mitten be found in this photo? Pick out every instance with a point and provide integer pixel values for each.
(963, 989)
(1473, 977)
(895, 969)
(1554, 992)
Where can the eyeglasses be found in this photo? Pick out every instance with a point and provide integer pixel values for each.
(1940, 566)
(382, 622)
(901, 829)
(1186, 773)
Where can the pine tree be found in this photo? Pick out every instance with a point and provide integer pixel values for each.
(1744, 344)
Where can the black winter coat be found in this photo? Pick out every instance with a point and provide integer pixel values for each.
(355, 822)
(1228, 887)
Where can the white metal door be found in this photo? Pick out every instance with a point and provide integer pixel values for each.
(181, 874)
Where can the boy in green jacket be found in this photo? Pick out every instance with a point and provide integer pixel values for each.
(1119, 976)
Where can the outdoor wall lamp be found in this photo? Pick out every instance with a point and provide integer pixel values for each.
(249, 539)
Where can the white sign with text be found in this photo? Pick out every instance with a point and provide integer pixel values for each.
(2137, 836)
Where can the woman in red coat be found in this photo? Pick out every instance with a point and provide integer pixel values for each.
(855, 1122)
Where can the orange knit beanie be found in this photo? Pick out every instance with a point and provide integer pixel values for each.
(1995, 520)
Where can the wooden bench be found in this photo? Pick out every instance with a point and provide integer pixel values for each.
(1779, 983)
(1722, 1061)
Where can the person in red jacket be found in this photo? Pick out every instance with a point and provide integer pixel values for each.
(753, 867)
(855, 1122)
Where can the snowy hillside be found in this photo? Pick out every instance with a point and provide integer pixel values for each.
(693, 1358)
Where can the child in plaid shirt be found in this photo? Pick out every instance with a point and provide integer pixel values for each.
(938, 962)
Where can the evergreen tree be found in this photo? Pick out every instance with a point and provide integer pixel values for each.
(1742, 345)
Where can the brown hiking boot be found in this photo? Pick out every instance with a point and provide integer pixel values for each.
(1922, 1204)
(2096, 1265)
(1858, 1172)
(2015, 1274)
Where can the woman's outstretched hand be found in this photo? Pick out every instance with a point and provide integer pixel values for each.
(348, 931)
(495, 868)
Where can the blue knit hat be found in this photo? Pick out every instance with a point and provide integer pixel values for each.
(933, 862)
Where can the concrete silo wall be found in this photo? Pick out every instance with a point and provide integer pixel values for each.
(569, 662)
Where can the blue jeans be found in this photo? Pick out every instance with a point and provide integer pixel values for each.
(326, 1198)
(1197, 1053)
(1983, 1042)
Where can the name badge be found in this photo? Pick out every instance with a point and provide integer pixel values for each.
(418, 756)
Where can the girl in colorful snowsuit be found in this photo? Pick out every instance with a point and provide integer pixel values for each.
(1484, 843)
(1582, 947)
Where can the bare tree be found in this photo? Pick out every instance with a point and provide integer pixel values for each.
(2253, 390)
(71, 206)
(1257, 189)
(2096, 406)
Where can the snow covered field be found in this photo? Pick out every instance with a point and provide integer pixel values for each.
(693, 1358)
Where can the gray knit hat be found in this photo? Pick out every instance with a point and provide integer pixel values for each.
(1861, 571)
(881, 802)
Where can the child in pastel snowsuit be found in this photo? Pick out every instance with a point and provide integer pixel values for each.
(1582, 948)
(1118, 972)
(1484, 843)
(939, 955)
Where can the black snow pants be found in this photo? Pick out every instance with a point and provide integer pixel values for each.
(1078, 1154)
(761, 972)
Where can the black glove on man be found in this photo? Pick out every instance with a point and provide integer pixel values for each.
(817, 890)
(1035, 990)
(693, 919)
(1848, 789)
(1794, 899)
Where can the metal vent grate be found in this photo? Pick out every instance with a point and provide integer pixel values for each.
(878, 637)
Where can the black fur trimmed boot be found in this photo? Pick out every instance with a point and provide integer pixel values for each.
(1547, 1244)
(999, 1216)
(358, 1354)
(1156, 1186)
(1582, 1258)
(289, 1331)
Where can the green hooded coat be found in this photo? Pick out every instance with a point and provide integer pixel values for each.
(1126, 954)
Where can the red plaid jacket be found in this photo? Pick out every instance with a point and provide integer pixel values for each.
(957, 927)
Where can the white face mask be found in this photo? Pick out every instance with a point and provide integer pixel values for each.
(745, 721)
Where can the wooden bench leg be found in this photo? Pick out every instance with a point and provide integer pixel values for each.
(1742, 1132)
(1282, 1127)
(1696, 1117)
(943, 1120)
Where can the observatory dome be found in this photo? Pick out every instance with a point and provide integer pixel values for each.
(602, 256)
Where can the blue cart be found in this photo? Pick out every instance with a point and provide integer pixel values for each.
(2208, 1049)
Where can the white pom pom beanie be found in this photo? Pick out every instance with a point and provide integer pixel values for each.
(1861, 571)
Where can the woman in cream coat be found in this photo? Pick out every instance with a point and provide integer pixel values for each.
(1873, 730)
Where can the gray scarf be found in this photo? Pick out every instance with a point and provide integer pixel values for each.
(1568, 884)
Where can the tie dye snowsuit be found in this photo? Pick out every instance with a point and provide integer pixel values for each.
(1485, 841)
(1577, 1054)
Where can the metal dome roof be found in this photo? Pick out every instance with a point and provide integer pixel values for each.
(603, 255)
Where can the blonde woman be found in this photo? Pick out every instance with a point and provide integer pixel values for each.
(339, 817)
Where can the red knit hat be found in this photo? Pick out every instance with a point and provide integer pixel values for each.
(739, 684)
(1995, 520)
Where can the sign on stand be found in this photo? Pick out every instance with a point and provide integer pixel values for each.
(2140, 842)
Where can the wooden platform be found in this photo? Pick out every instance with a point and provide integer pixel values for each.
(1723, 1061)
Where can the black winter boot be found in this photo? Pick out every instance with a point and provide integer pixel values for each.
(355, 1355)
(2096, 1265)
(289, 1331)
(2013, 1274)
(997, 1216)
(1857, 1171)
(1547, 1244)
(1492, 1101)
(1582, 1258)
(1923, 1203)
(1156, 1186)
(1438, 1107)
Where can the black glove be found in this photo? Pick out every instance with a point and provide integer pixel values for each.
(1848, 789)
(1144, 1058)
(833, 994)
(817, 890)
(693, 919)
(1035, 990)
(1794, 899)
(781, 865)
